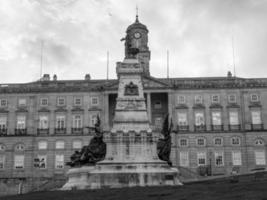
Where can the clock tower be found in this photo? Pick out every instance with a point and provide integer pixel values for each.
(137, 37)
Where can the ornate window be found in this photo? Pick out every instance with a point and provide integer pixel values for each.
(93, 120)
(201, 158)
(198, 99)
(184, 158)
(77, 144)
(182, 119)
(232, 98)
(218, 141)
(60, 144)
(199, 118)
(22, 102)
(19, 161)
(235, 141)
(42, 145)
(21, 122)
(60, 121)
(2, 147)
(61, 101)
(44, 101)
(59, 161)
(183, 142)
(259, 142)
(3, 122)
(43, 121)
(2, 161)
(219, 158)
(260, 158)
(181, 99)
(236, 158)
(201, 141)
(216, 118)
(254, 98)
(256, 117)
(41, 162)
(20, 147)
(77, 101)
(233, 118)
(94, 101)
(77, 121)
(215, 99)
(3, 103)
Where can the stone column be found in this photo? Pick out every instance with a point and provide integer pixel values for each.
(149, 107)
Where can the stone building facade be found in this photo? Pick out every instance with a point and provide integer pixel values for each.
(219, 122)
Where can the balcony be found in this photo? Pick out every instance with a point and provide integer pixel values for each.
(3, 132)
(257, 127)
(42, 131)
(217, 127)
(236, 127)
(60, 131)
(20, 131)
(182, 128)
(77, 131)
(200, 128)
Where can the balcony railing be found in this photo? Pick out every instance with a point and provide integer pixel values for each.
(60, 131)
(77, 131)
(182, 128)
(20, 131)
(257, 127)
(217, 127)
(3, 132)
(42, 131)
(235, 127)
(200, 127)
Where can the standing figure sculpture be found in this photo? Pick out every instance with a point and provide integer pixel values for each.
(92, 153)
(164, 144)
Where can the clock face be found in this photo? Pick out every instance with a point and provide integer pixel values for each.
(137, 35)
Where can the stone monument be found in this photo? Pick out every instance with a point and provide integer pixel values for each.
(131, 156)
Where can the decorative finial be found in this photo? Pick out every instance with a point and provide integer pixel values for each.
(136, 17)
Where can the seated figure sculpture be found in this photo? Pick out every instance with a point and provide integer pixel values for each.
(92, 153)
(164, 144)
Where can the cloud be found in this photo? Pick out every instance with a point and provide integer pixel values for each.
(78, 33)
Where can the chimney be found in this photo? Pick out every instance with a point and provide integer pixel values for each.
(46, 77)
(87, 77)
(55, 77)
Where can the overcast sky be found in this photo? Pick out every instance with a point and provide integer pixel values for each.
(77, 34)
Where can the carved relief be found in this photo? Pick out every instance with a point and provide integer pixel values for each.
(131, 89)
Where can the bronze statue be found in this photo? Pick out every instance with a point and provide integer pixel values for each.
(130, 51)
(164, 144)
(92, 153)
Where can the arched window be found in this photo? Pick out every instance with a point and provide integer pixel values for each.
(60, 144)
(235, 141)
(42, 144)
(183, 142)
(259, 142)
(20, 147)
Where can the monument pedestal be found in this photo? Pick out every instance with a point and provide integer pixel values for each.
(131, 158)
(121, 175)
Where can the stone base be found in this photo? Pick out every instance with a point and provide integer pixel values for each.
(121, 175)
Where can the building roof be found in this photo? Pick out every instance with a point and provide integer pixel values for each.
(150, 83)
(136, 25)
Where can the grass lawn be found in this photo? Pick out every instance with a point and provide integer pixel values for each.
(211, 190)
